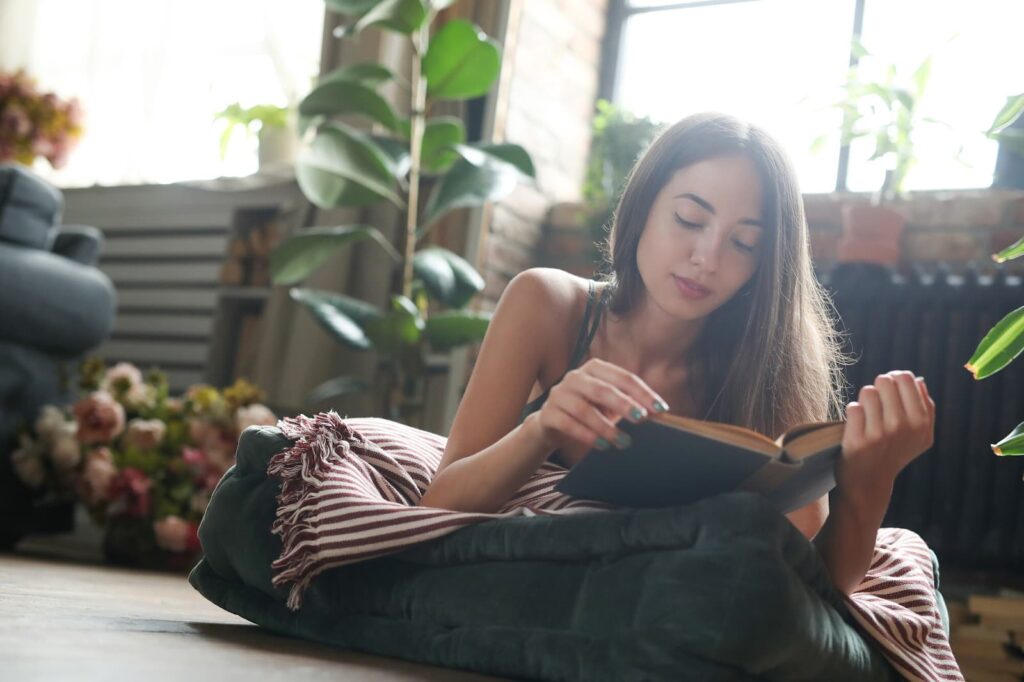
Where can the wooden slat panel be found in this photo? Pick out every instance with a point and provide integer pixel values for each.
(159, 298)
(169, 247)
(191, 353)
(185, 325)
(184, 272)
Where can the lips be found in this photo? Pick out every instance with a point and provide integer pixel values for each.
(691, 288)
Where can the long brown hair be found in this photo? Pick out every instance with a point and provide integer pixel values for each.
(770, 358)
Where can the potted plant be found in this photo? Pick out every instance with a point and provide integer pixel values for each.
(35, 123)
(423, 166)
(275, 134)
(886, 111)
(618, 137)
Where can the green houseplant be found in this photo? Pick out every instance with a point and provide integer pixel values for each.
(618, 137)
(421, 165)
(1005, 341)
(885, 111)
(269, 122)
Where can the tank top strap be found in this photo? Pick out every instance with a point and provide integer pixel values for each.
(588, 328)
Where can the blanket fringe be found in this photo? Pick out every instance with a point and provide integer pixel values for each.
(320, 442)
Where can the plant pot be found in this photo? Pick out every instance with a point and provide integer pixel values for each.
(278, 148)
(871, 234)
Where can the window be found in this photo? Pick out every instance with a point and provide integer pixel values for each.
(774, 62)
(151, 76)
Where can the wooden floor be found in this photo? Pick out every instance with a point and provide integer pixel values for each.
(69, 621)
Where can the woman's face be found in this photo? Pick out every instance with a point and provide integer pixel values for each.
(705, 226)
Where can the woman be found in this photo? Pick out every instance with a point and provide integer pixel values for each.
(711, 311)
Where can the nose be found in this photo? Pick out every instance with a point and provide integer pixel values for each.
(706, 250)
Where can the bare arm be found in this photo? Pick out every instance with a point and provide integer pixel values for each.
(893, 422)
(489, 456)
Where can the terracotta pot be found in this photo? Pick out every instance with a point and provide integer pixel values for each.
(871, 234)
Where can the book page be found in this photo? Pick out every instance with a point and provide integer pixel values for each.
(810, 441)
(726, 433)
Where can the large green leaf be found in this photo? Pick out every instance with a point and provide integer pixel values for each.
(440, 135)
(337, 97)
(370, 74)
(401, 327)
(999, 347)
(342, 316)
(301, 254)
(1012, 109)
(343, 167)
(446, 276)
(1012, 444)
(476, 178)
(1015, 250)
(510, 153)
(396, 155)
(403, 16)
(335, 387)
(456, 328)
(461, 62)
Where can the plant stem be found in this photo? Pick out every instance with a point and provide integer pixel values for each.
(416, 128)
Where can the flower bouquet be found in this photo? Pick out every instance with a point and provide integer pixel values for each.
(34, 123)
(143, 463)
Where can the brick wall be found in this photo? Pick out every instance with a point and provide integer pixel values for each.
(960, 228)
(553, 56)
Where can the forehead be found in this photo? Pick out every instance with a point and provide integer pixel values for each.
(728, 183)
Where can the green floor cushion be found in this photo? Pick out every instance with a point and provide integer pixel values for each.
(726, 589)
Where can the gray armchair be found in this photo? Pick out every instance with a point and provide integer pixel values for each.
(55, 306)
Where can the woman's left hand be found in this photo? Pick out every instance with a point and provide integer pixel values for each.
(890, 424)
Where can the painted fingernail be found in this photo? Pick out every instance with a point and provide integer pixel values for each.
(623, 440)
(602, 444)
(660, 406)
(638, 413)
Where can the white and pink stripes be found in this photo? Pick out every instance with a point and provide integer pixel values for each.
(350, 489)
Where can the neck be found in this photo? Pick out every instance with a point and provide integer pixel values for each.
(648, 341)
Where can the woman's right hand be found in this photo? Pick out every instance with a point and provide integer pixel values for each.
(590, 400)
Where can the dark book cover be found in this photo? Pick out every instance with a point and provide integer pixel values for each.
(666, 466)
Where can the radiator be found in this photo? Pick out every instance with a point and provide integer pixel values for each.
(967, 503)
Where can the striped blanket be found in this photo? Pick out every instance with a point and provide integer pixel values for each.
(350, 489)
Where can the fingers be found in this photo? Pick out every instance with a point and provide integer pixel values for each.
(855, 421)
(894, 415)
(587, 425)
(872, 404)
(629, 384)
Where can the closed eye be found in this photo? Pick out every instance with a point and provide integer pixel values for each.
(687, 223)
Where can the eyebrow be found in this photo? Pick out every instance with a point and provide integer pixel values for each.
(711, 209)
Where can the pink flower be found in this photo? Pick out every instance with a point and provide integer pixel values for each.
(130, 493)
(144, 434)
(98, 473)
(253, 415)
(100, 418)
(172, 533)
(121, 378)
(218, 446)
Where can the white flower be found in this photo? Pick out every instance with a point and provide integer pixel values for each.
(49, 423)
(253, 415)
(140, 397)
(64, 449)
(28, 463)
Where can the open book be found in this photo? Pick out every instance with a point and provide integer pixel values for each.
(675, 460)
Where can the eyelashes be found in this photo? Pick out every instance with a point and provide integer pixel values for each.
(695, 226)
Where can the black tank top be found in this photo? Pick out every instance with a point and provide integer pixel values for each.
(591, 320)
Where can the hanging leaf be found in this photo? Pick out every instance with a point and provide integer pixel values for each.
(401, 327)
(337, 97)
(1013, 444)
(447, 276)
(999, 347)
(343, 167)
(403, 16)
(396, 156)
(340, 315)
(456, 328)
(510, 153)
(461, 62)
(369, 74)
(335, 387)
(441, 134)
(1011, 110)
(476, 178)
(1015, 250)
(301, 254)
